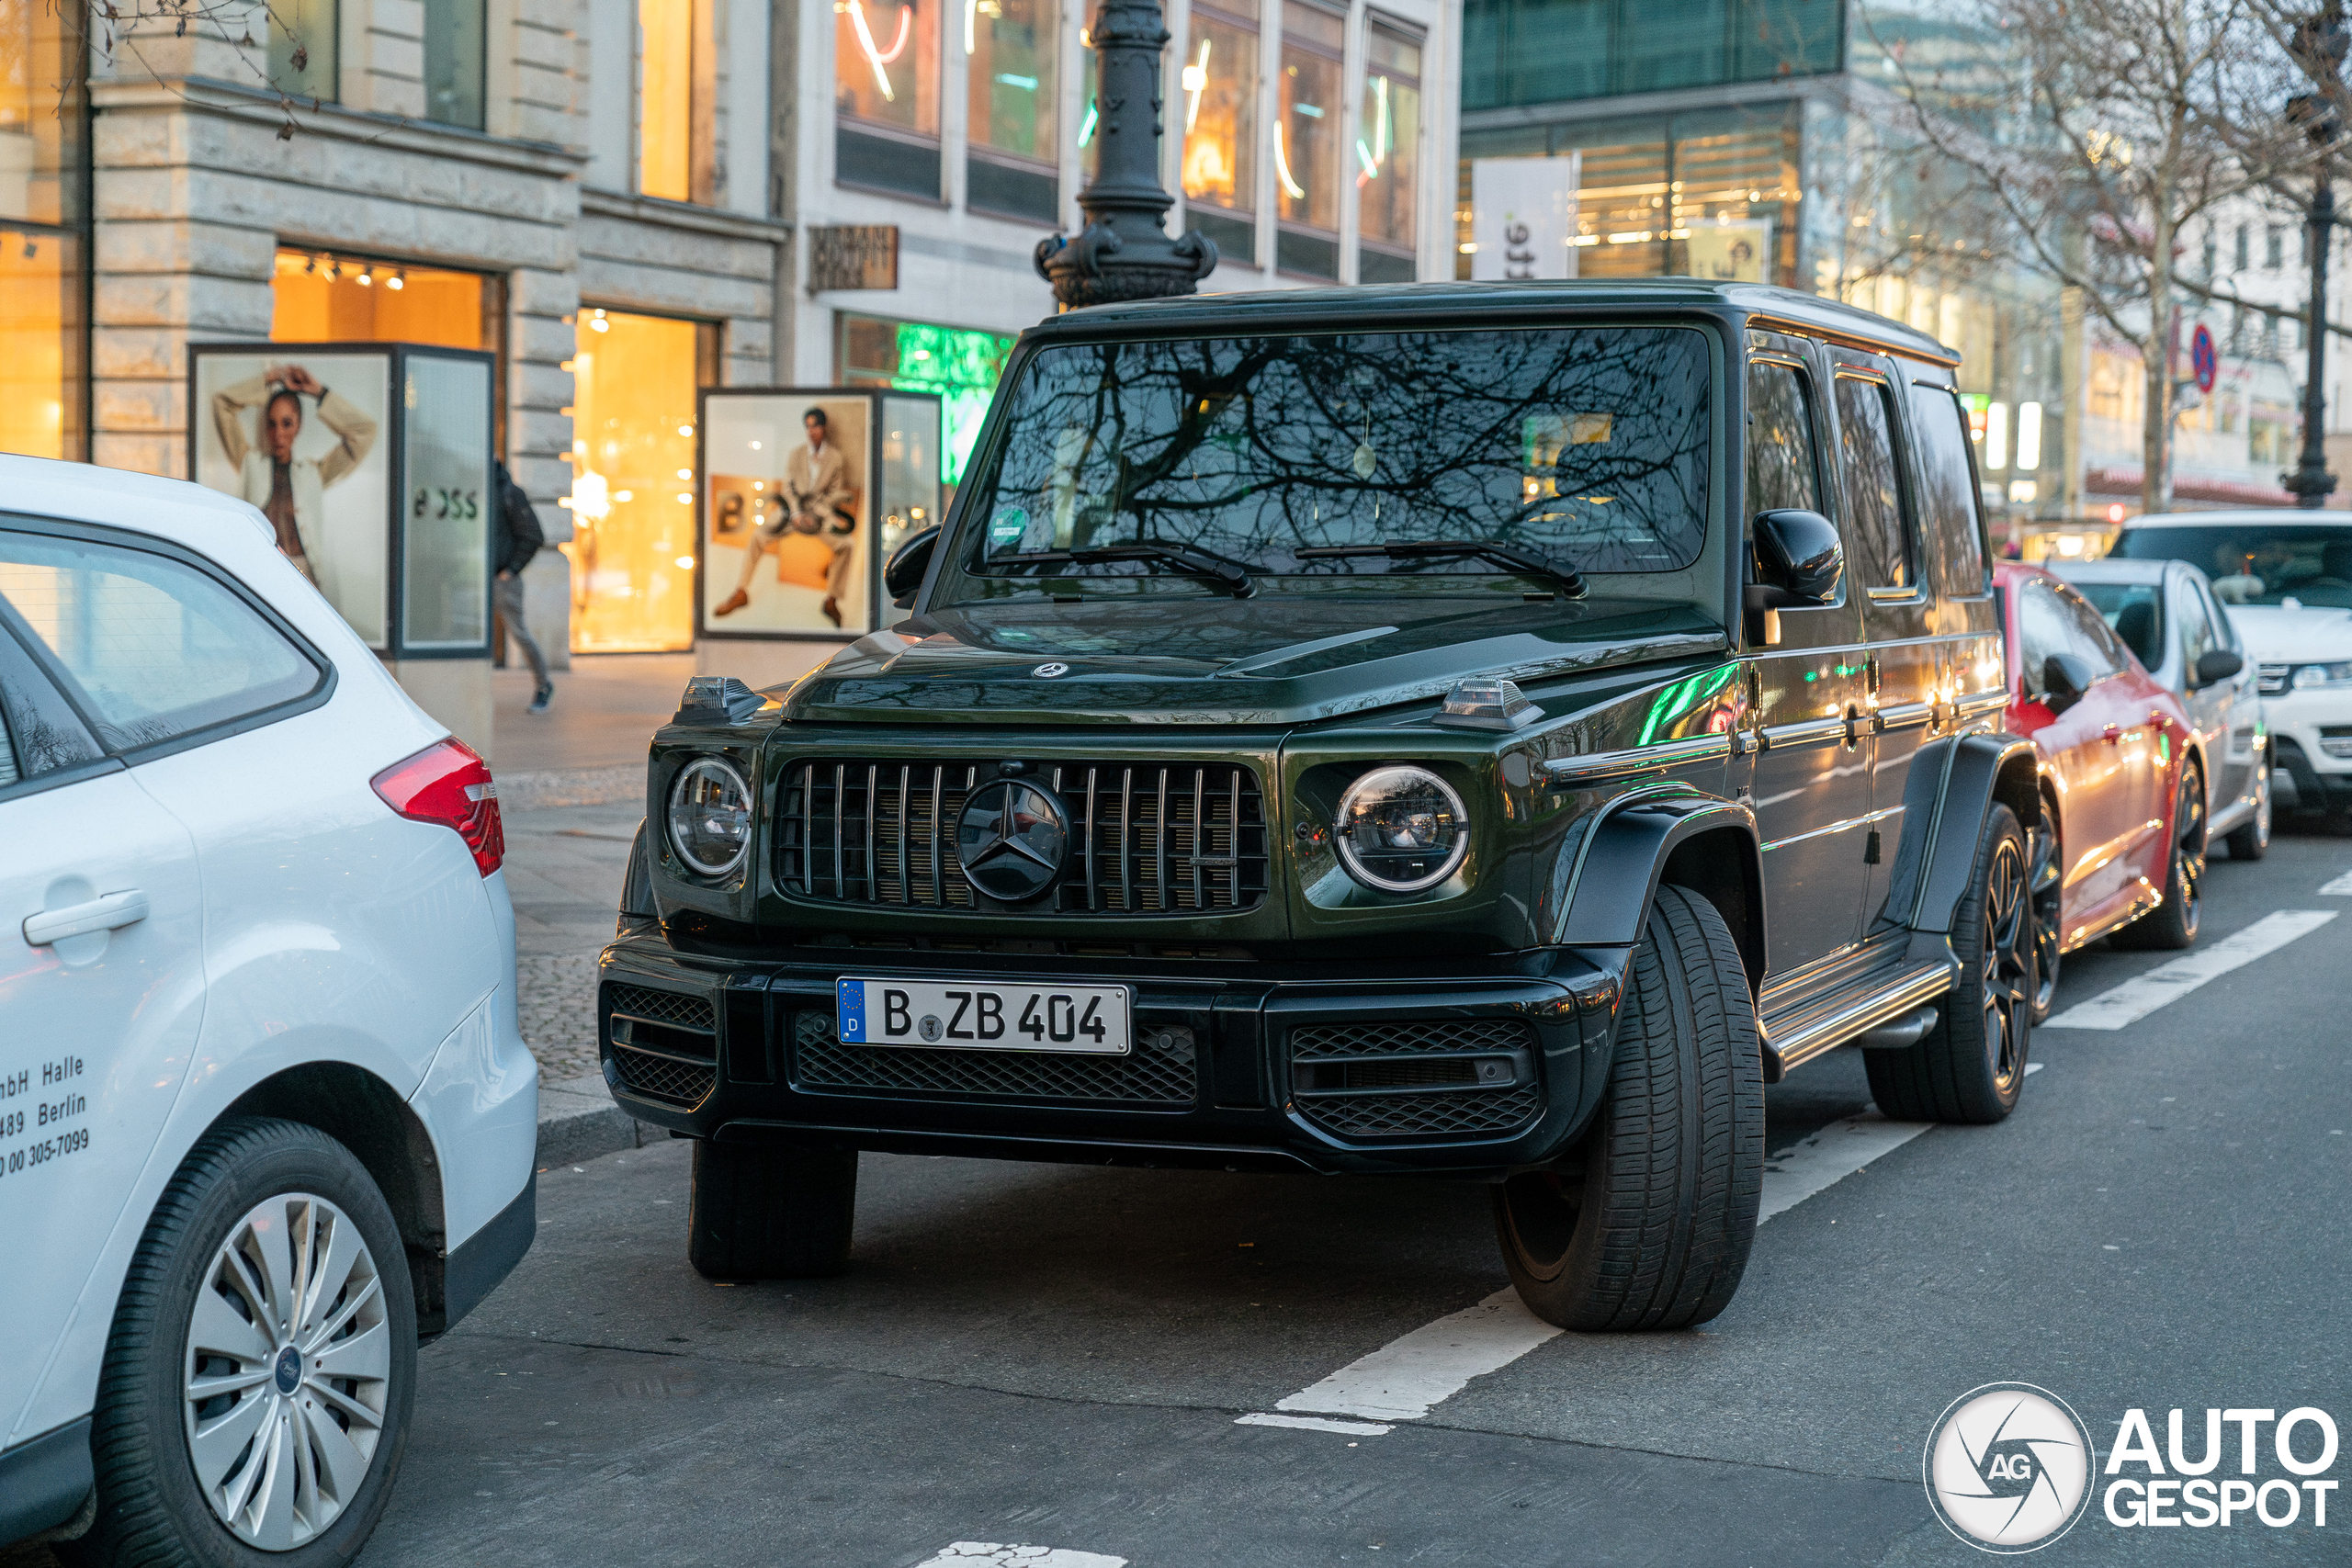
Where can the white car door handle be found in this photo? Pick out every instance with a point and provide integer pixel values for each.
(110, 912)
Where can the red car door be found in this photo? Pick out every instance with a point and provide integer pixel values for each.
(2097, 801)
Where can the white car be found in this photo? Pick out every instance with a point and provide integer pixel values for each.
(2165, 614)
(2286, 578)
(266, 1118)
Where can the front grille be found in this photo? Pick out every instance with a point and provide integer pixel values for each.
(1425, 1115)
(664, 1078)
(821, 1063)
(1417, 1036)
(1455, 1076)
(2271, 679)
(1146, 838)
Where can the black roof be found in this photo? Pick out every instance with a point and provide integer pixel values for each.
(1265, 309)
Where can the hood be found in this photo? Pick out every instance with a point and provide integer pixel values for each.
(2311, 635)
(1149, 660)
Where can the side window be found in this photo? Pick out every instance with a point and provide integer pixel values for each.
(1949, 501)
(2225, 631)
(43, 734)
(153, 649)
(1783, 464)
(1874, 499)
(2041, 631)
(2198, 637)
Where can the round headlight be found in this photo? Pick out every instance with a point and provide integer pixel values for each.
(711, 816)
(1401, 829)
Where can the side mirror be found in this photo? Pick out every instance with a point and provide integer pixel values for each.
(2218, 665)
(2065, 678)
(1799, 553)
(903, 572)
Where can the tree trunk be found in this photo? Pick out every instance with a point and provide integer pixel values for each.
(2156, 430)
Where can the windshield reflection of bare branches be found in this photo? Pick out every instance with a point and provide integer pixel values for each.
(2101, 129)
(1589, 447)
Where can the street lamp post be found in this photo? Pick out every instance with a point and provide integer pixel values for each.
(1123, 252)
(2320, 42)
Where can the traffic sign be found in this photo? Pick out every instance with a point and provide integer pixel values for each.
(2201, 357)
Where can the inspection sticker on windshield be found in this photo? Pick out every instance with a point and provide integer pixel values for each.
(960, 1016)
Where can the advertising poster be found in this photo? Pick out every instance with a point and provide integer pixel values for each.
(787, 543)
(1523, 217)
(301, 437)
(1731, 253)
(445, 581)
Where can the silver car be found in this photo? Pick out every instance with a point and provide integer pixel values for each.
(2166, 614)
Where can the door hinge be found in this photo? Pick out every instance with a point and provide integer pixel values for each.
(1870, 850)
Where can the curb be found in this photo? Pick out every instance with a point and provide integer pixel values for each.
(579, 1121)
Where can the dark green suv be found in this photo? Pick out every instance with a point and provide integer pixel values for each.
(1487, 731)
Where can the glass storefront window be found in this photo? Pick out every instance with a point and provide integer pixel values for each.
(634, 380)
(322, 298)
(1217, 87)
(42, 252)
(960, 365)
(303, 56)
(677, 88)
(1306, 135)
(1387, 154)
(886, 62)
(1009, 48)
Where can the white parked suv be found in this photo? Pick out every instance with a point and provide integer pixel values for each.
(2286, 579)
(266, 1119)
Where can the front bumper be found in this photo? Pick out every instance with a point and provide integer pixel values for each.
(2311, 747)
(1472, 1069)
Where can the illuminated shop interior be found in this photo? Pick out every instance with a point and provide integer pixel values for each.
(632, 501)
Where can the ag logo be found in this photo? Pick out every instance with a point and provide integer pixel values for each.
(2008, 1468)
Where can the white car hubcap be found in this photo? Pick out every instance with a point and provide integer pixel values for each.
(288, 1372)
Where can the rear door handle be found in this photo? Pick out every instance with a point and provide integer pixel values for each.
(111, 912)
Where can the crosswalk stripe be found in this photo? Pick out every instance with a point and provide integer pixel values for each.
(2340, 888)
(2136, 998)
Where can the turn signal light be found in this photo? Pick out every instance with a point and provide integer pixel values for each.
(450, 783)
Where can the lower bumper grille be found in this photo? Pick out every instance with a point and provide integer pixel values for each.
(1424, 1078)
(661, 1045)
(821, 1063)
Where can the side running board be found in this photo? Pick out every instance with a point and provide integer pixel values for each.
(1792, 1042)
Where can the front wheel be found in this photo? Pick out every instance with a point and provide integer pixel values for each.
(2173, 923)
(1648, 1225)
(764, 1211)
(255, 1398)
(2045, 888)
(1970, 1068)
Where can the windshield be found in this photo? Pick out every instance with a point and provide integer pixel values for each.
(2256, 563)
(1587, 447)
(2136, 611)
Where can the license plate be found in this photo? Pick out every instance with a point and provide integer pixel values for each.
(957, 1016)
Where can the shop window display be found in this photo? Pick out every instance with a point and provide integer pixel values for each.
(634, 383)
(960, 365)
(319, 296)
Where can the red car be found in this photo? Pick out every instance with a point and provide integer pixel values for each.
(2121, 850)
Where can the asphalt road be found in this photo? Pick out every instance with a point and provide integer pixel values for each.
(1057, 1358)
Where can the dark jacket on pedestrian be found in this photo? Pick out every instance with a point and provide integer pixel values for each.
(514, 535)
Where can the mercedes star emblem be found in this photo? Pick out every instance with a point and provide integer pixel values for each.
(1047, 672)
(1012, 837)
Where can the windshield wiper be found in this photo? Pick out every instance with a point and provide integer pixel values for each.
(1508, 556)
(1235, 577)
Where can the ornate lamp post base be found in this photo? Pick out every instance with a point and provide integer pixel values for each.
(1124, 253)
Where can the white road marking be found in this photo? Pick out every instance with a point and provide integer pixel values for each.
(1404, 1378)
(2135, 999)
(2341, 887)
(1315, 1424)
(1401, 1380)
(1829, 1156)
(2033, 1068)
(988, 1554)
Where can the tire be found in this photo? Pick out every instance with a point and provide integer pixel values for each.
(1650, 1224)
(2173, 923)
(760, 1212)
(171, 1488)
(2046, 888)
(1970, 1068)
(2250, 839)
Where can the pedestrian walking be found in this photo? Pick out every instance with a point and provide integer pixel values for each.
(516, 537)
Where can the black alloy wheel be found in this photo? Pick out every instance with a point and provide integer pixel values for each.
(1972, 1065)
(2173, 923)
(2045, 887)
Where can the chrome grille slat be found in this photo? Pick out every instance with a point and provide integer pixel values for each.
(1178, 838)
